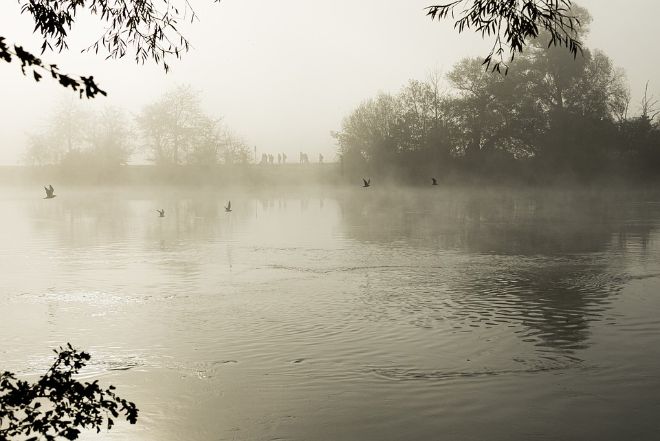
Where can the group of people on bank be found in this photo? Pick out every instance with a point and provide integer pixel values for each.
(269, 159)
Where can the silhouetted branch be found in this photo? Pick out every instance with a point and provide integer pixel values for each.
(147, 28)
(32, 64)
(150, 31)
(511, 23)
(58, 405)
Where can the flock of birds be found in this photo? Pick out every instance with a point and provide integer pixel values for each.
(367, 182)
(161, 212)
(50, 194)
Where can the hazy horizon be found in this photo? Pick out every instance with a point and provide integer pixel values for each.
(476, 256)
(283, 76)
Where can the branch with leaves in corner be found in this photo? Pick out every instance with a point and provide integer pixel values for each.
(147, 29)
(58, 406)
(32, 64)
(511, 23)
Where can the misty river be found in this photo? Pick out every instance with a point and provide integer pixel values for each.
(344, 313)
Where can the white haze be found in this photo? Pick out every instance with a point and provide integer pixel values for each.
(284, 74)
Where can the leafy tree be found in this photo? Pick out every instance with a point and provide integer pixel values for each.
(234, 149)
(40, 151)
(110, 137)
(550, 117)
(64, 135)
(420, 112)
(600, 90)
(177, 131)
(391, 131)
(476, 111)
(73, 137)
(370, 132)
(57, 406)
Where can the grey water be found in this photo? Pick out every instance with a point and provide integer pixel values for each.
(345, 313)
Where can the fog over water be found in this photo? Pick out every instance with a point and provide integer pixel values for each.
(332, 222)
(345, 313)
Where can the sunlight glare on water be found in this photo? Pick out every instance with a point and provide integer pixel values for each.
(337, 313)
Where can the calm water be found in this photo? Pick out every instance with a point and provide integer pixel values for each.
(345, 314)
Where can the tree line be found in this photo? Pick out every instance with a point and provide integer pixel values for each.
(174, 130)
(552, 116)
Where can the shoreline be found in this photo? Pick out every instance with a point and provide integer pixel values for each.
(257, 176)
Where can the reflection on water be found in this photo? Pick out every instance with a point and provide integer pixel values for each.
(345, 313)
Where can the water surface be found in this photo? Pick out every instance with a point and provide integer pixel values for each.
(352, 314)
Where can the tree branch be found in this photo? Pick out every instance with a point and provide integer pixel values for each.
(511, 23)
(85, 86)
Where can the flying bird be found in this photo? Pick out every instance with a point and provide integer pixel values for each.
(161, 212)
(228, 207)
(435, 181)
(50, 192)
(367, 182)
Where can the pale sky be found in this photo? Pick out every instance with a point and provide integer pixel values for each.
(283, 74)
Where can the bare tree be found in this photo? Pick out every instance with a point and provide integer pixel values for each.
(649, 105)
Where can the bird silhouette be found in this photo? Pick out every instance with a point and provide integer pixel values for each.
(367, 182)
(228, 207)
(50, 192)
(161, 212)
(435, 181)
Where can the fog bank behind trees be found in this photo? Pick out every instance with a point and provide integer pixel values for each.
(551, 118)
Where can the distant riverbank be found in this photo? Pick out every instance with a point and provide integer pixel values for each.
(249, 175)
(290, 175)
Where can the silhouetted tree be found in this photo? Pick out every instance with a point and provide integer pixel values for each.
(370, 133)
(57, 406)
(640, 151)
(550, 117)
(476, 111)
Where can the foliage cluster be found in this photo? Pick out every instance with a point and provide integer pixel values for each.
(77, 138)
(57, 405)
(149, 30)
(511, 23)
(86, 86)
(174, 130)
(551, 117)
